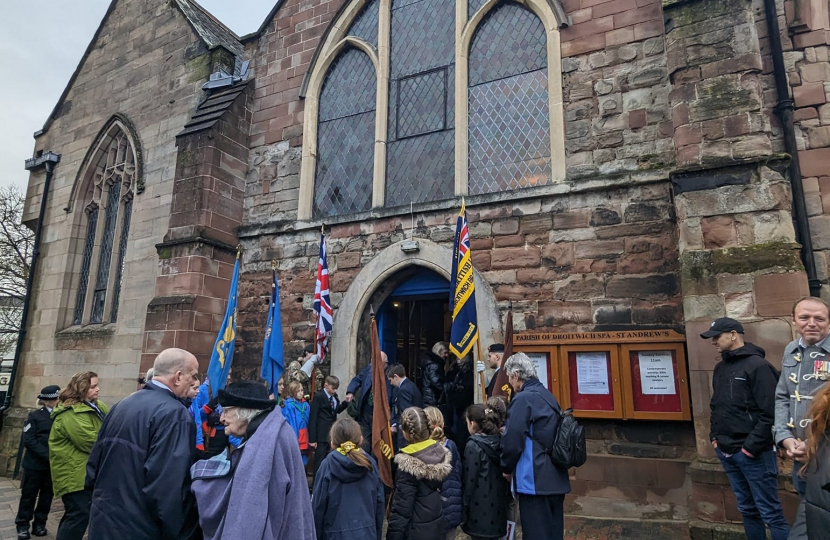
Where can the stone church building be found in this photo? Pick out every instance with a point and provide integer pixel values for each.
(632, 169)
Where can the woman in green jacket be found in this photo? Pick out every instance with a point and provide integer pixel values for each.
(75, 424)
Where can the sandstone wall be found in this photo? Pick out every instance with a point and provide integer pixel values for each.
(147, 65)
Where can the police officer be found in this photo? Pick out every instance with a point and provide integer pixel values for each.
(37, 478)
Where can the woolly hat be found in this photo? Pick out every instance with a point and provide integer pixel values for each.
(50, 392)
(246, 394)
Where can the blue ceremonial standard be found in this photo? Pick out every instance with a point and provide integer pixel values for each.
(222, 354)
(273, 361)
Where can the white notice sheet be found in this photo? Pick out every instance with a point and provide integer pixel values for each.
(592, 373)
(657, 373)
(540, 360)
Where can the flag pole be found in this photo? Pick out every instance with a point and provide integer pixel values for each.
(481, 382)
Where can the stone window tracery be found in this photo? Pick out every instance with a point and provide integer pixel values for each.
(110, 182)
(467, 100)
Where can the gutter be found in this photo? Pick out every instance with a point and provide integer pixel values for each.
(784, 110)
(47, 161)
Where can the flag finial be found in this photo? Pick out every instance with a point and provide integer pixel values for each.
(322, 228)
(371, 311)
(273, 264)
(238, 251)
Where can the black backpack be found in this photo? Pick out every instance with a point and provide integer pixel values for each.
(568, 448)
(569, 445)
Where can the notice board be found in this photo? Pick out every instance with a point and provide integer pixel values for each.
(639, 374)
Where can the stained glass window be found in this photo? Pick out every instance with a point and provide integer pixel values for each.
(509, 110)
(89, 244)
(365, 25)
(473, 6)
(420, 154)
(122, 252)
(110, 180)
(346, 136)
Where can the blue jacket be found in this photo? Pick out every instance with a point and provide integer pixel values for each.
(348, 500)
(533, 412)
(296, 414)
(451, 489)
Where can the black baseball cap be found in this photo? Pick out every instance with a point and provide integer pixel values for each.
(721, 326)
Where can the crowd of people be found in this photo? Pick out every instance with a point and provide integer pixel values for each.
(759, 413)
(170, 462)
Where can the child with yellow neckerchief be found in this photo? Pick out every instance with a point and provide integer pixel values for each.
(348, 497)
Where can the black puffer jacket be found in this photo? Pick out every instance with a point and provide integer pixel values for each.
(433, 380)
(743, 401)
(817, 497)
(416, 511)
(485, 489)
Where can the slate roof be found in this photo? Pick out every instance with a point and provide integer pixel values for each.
(209, 111)
(213, 33)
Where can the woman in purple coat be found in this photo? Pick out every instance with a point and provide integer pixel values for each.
(258, 492)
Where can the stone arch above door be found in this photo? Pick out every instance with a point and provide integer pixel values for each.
(385, 265)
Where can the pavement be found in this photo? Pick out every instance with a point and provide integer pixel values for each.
(576, 528)
(9, 497)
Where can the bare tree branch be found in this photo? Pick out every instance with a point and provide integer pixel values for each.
(16, 246)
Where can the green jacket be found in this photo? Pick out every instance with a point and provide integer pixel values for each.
(74, 431)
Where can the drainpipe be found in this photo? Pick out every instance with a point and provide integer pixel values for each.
(784, 109)
(47, 161)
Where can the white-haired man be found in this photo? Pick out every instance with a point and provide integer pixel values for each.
(532, 423)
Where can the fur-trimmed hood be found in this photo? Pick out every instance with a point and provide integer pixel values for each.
(433, 463)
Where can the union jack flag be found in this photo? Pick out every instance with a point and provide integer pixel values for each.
(322, 302)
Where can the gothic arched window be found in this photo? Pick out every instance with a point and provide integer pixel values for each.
(108, 185)
(346, 136)
(509, 112)
(412, 101)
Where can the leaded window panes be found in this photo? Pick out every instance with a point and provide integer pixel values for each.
(508, 114)
(421, 142)
(122, 252)
(473, 6)
(105, 255)
(89, 244)
(345, 136)
(365, 25)
(509, 109)
(109, 181)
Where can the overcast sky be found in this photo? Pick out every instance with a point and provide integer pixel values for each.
(41, 43)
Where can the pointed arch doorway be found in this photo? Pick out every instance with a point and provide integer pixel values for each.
(374, 285)
(414, 317)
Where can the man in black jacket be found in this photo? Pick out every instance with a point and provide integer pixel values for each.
(324, 410)
(37, 477)
(405, 394)
(139, 468)
(433, 376)
(743, 411)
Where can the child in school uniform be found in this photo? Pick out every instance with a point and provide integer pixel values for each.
(296, 413)
(348, 497)
(486, 492)
(451, 488)
(324, 410)
(416, 511)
